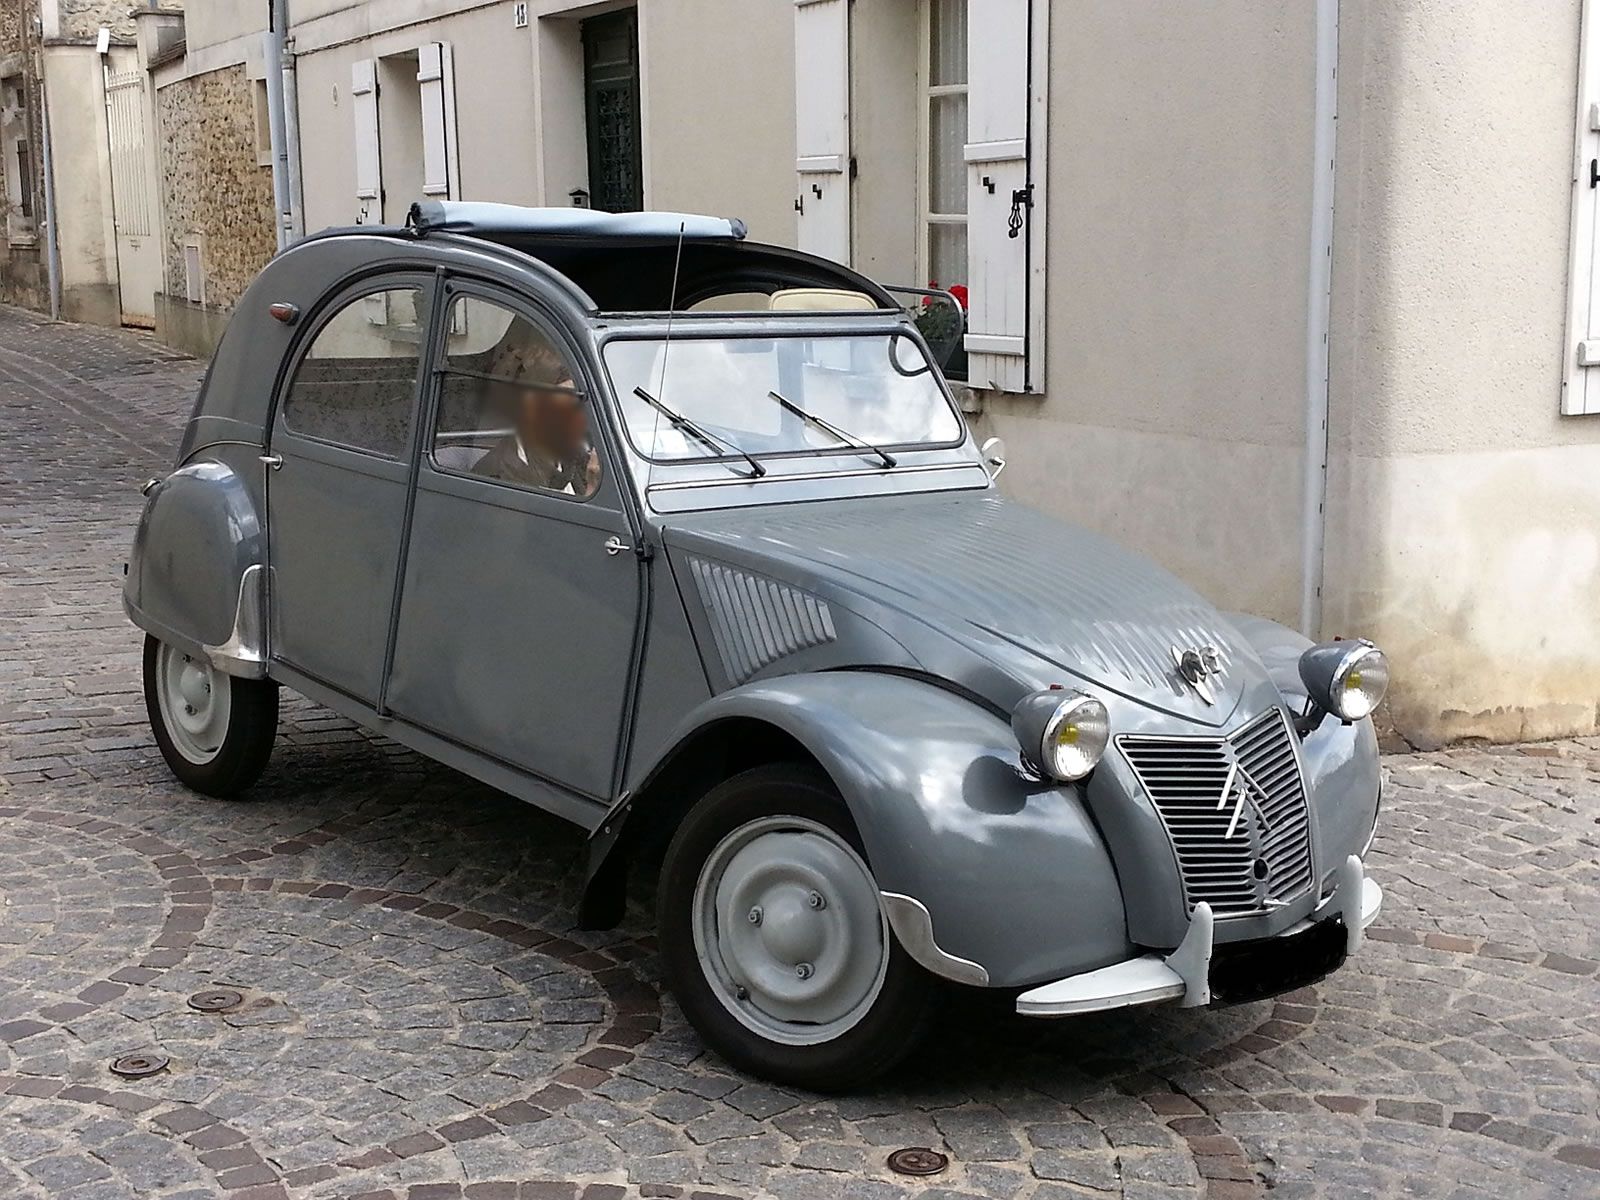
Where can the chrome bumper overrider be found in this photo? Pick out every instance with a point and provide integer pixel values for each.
(1184, 975)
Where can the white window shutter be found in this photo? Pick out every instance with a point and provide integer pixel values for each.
(999, 198)
(1580, 378)
(364, 111)
(436, 81)
(822, 126)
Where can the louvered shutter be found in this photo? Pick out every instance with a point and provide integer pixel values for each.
(436, 82)
(999, 199)
(822, 126)
(369, 167)
(1580, 392)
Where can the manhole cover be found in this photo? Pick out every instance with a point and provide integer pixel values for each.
(137, 1066)
(217, 1000)
(918, 1160)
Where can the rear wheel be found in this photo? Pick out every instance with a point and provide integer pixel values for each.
(215, 730)
(774, 940)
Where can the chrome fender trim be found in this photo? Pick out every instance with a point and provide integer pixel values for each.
(913, 925)
(245, 652)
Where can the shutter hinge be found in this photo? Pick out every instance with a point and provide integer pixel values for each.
(1594, 172)
(855, 167)
(1021, 198)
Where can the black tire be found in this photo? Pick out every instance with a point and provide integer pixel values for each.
(246, 745)
(885, 1033)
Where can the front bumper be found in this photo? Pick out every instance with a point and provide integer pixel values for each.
(1185, 975)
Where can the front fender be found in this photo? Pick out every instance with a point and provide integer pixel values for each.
(1012, 871)
(196, 576)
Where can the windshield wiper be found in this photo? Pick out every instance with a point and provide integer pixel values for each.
(850, 440)
(709, 440)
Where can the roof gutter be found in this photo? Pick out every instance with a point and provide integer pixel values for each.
(1314, 496)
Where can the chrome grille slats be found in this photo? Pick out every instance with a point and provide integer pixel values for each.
(1184, 778)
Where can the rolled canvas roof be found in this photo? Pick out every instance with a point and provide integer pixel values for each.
(513, 220)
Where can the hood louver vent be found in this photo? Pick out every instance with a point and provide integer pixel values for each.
(756, 621)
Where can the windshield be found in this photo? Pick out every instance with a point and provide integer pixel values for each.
(780, 395)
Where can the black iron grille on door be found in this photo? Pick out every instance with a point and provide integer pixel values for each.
(611, 104)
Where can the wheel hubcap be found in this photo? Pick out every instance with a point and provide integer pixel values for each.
(194, 700)
(789, 931)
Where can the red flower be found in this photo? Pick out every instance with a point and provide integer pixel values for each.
(959, 291)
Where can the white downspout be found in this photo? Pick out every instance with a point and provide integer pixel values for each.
(52, 250)
(1313, 514)
(272, 46)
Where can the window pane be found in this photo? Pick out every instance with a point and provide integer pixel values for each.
(947, 37)
(947, 255)
(357, 384)
(947, 165)
(509, 409)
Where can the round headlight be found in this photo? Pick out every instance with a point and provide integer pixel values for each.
(1348, 679)
(1062, 733)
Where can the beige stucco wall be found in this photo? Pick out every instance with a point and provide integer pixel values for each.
(494, 102)
(718, 79)
(1464, 511)
(1179, 217)
(83, 171)
(212, 184)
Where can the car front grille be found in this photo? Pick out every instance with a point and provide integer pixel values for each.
(1265, 861)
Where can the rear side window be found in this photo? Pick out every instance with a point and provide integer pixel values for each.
(357, 384)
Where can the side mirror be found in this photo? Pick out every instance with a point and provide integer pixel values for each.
(994, 457)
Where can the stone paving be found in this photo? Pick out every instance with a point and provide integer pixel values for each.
(420, 1019)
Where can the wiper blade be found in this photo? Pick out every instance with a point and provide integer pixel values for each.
(709, 440)
(826, 426)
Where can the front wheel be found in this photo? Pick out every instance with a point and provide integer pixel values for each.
(215, 730)
(773, 938)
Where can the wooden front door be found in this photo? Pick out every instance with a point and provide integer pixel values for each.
(611, 103)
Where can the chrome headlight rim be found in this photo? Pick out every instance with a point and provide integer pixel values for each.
(1331, 691)
(1037, 721)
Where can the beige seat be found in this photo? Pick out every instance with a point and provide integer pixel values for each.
(821, 300)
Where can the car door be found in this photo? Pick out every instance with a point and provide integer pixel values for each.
(340, 455)
(519, 606)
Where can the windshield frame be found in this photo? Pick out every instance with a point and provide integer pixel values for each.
(767, 326)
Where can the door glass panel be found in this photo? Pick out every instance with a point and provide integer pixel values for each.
(947, 37)
(356, 384)
(947, 165)
(947, 254)
(509, 409)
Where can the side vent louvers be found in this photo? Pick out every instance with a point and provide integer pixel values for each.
(756, 621)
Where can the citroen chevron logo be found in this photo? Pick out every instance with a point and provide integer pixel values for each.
(1238, 775)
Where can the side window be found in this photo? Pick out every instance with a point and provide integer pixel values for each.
(509, 409)
(356, 385)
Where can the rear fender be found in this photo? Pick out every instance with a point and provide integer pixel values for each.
(1012, 872)
(197, 575)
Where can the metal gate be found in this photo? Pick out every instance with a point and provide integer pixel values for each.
(138, 248)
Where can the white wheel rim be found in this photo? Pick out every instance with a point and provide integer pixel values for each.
(789, 932)
(195, 702)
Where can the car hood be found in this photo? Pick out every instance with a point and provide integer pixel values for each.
(1000, 577)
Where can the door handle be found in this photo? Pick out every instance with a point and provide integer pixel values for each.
(274, 461)
(615, 545)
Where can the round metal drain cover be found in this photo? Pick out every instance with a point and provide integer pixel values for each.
(137, 1066)
(217, 1000)
(918, 1160)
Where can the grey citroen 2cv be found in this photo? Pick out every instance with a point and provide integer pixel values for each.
(682, 538)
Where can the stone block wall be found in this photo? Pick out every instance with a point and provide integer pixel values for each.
(212, 184)
(85, 18)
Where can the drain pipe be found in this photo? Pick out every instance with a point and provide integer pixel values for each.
(291, 130)
(1314, 497)
(273, 47)
(52, 245)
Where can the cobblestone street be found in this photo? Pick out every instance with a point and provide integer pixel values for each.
(421, 1020)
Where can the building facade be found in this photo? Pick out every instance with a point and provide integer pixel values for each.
(1293, 298)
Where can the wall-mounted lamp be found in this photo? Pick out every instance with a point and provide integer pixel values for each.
(580, 197)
